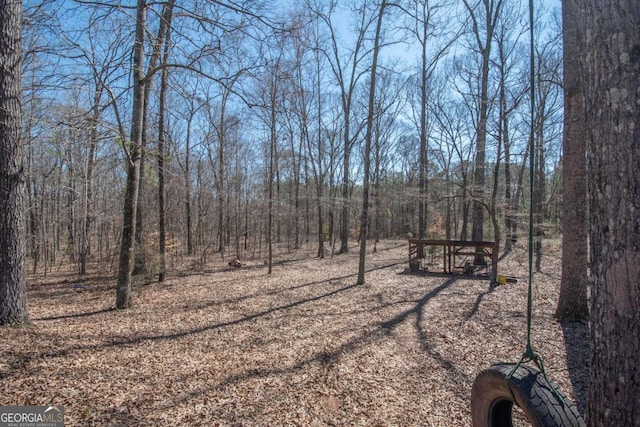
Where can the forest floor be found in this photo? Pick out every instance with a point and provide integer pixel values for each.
(216, 345)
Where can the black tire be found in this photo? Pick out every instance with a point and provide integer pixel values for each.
(543, 403)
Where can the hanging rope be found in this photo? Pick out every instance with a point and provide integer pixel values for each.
(529, 353)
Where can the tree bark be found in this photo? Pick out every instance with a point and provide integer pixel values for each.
(491, 14)
(140, 263)
(13, 292)
(539, 187)
(572, 302)
(611, 68)
(87, 201)
(364, 221)
(162, 237)
(423, 183)
(127, 244)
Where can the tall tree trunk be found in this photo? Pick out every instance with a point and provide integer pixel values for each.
(423, 159)
(490, 14)
(464, 207)
(502, 139)
(611, 68)
(320, 172)
(477, 208)
(87, 201)
(162, 232)
(72, 191)
(162, 243)
(220, 181)
(272, 153)
(344, 222)
(506, 142)
(270, 205)
(364, 221)
(187, 205)
(572, 301)
(539, 190)
(127, 244)
(508, 214)
(238, 191)
(515, 205)
(296, 177)
(187, 183)
(13, 291)
(141, 253)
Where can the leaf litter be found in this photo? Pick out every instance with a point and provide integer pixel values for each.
(304, 346)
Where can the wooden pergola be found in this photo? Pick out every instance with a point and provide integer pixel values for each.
(455, 255)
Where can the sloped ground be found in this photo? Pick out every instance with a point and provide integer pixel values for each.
(304, 346)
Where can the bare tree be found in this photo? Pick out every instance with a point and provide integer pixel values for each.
(348, 73)
(192, 105)
(454, 155)
(389, 105)
(511, 92)
(13, 291)
(269, 95)
(134, 154)
(428, 28)
(315, 145)
(162, 229)
(364, 219)
(547, 123)
(484, 15)
(296, 113)
(572, 302)
(164, 29)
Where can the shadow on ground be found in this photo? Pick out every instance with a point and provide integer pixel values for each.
(575, 335)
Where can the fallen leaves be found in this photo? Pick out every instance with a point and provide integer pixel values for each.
(303, 346)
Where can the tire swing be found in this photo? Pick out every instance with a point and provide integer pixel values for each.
(496, 389)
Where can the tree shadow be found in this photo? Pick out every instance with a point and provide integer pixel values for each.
(476, 306)
(576, 339)
(377, 330)
(417, 313)
(77, 315)
(22, 360)
(116, 341)
(328, 358)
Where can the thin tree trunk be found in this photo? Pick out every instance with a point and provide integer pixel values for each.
(364, 222)
(508, 215)
(491, 13)
(220, 182)
(344, 223)
(162, 243)
(71, 203)
(87, 201)
(187, 181)
(272, 149)
(423, 157)
(539, 190)
(464, 208)
(141, 252)
(238, 191)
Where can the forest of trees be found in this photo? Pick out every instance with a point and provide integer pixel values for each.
(246, 124)
(137, 132)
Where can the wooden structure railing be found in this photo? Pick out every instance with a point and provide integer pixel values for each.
(455, 254)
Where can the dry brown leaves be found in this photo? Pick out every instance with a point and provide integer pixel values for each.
(303, 346)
